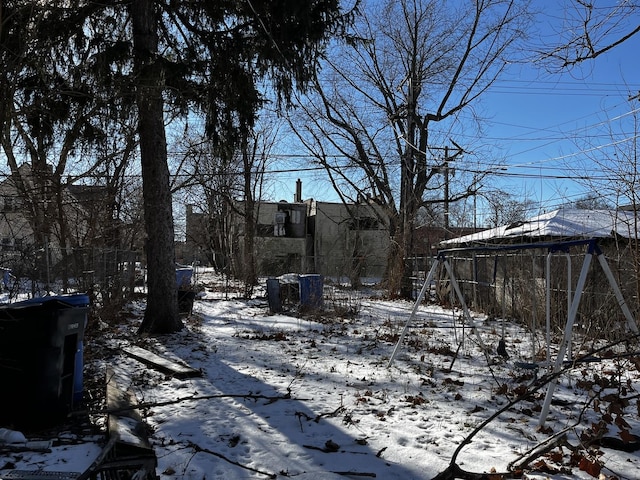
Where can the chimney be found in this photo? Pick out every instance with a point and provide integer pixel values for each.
(298, 196)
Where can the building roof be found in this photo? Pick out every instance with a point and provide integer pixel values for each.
(565, 223)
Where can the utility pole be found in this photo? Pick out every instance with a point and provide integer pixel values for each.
(445, 171)
(446, 190)
(475, 203)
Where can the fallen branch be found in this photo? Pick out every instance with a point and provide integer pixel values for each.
(332, 447)
(193, 398)
(454, 472)
(356, 474)
(329, 447)
(198, 448)
(558, 440)
(320, 416)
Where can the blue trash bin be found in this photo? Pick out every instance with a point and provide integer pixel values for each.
(183, 277)
(311, 286)
(81, 301)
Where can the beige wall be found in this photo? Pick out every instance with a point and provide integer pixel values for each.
(336, 241)
(329, 242)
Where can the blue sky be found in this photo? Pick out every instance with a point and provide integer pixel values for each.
(543, 127)
(552, 125)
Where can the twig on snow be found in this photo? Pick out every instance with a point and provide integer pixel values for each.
(198, 448)
(318, 417)
(356, 474)
(558, 440)
(192, 398)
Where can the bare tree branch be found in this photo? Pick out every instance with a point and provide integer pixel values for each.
(591, 31)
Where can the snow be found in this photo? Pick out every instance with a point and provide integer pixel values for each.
(563, 223)
(314, 396)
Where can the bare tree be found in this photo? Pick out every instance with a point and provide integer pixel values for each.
(389, 98)
(208, 182)
(615, 164)
(254, 152)
(231, 183)
(593, 201)
(505, 209)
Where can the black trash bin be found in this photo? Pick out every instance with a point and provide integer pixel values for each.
(273, 295)
(40, 341)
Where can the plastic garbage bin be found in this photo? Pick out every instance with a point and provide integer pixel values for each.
(311, 286)
(74, 300)
(40, 343)
(186, 295)
(82, 301)
(183, 277)
(273, 295)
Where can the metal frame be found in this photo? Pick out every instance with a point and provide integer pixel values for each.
(573, 303)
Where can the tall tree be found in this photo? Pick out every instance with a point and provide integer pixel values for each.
(505, 209)
(207, 182)
(381, 119)
(161, 314)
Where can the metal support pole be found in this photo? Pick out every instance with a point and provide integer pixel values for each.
(616, 290)
(566, 339)
(569, 296)
(465, 310)
(446, 190)
(534, 309)
(421, 295)
(548, 307)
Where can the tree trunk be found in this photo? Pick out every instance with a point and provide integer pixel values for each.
(63, 231)
(410, 190)
(249, 267)
(161, 314)
(395, 268)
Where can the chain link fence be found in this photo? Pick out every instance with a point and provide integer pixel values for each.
(109, 275)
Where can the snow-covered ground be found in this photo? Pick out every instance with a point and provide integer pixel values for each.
(314, 396)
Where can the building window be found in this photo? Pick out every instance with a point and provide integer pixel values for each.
(295, 216)
(279, 224)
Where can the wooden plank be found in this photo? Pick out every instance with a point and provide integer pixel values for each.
(162, 364)
(128, 453)
(37, 475)
(126, 427)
